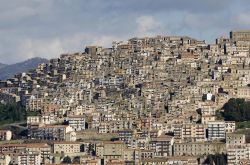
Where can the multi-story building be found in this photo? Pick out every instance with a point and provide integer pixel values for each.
(33, 120)
(126, 135)
(162, 146)
(194, 132)
(29, 157)
(132, 155)
(77, 122)
(5, 135)
(237, 153)
(230, 126)
(241, 35)
(53, 132)
(66, 147)
(216, 130)
(158, 95)
(4, 159)
(190, 160)
(157, 161)
(42, 148)
(198, 148)
(243, 92)
(235, 139)
(113, 150)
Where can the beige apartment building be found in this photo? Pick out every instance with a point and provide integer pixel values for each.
(162, 146)
(65, 147)
(132, 155)
(243, 92)
(198, 148)
(113, 150)
(240, 35)
(235, 139)
(43, 149)
(237, 153)
(194, 132)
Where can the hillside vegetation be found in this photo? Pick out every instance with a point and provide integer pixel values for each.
(11, 113)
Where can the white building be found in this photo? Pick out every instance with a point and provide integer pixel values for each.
(5, 135)
(77, 122)
(33, 120)
(216, 130)
(29, 158)
(4, 159)
(237, 153)
(53, 132)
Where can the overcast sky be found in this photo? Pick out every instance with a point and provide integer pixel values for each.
(47, 28)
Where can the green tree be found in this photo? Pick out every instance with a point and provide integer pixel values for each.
(76, 160)
(217, 159)
(10, 113)
(82, 148)
(66, 160)
(237, 110)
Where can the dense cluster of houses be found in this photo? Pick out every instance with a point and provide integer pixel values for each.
(149, 101)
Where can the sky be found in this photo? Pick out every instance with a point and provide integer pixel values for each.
(48, 28)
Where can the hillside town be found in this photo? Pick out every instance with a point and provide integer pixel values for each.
(145, 101)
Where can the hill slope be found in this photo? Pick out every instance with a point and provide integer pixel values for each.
(2, 65)
(9, 71)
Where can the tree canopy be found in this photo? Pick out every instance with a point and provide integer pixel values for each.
(237, 110)
(66, 160)
(217, 159)
(76, 160)
(10, 113)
